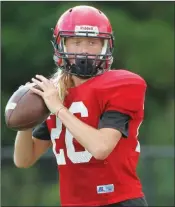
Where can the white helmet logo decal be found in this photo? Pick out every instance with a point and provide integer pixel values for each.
(83, 29)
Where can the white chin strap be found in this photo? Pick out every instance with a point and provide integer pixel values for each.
(104, 49)
(64, 47)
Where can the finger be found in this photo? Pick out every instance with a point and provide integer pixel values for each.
(38, 92)
(39, 83)
(30, 84)
(47, 82)
(42, 78)
(27, 84)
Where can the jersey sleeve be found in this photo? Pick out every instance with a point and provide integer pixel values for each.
(41, 132)
(127, 98)
(115, 120)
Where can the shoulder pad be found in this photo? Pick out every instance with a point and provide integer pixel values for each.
(116, 78)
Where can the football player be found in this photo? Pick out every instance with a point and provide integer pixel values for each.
(95, 116)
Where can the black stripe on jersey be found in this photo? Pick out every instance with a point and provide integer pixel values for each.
(109, 119)
(115, 120)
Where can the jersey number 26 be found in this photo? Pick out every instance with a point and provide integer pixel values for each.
(75, 157)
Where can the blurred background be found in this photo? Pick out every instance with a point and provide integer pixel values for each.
(144, 43)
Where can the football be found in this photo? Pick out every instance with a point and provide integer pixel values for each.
(25, 109)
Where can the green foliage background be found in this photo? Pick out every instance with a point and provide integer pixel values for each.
(144, 43)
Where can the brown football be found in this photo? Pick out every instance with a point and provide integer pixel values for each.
(25, 109)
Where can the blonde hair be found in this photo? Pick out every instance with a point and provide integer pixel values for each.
(63, 81)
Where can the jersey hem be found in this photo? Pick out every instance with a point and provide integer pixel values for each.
(107, 202)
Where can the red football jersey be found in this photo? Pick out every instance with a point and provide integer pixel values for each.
(83, 179)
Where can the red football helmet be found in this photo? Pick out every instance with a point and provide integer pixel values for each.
(83, 21)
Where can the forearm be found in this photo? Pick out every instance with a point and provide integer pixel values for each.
(90, 138)
(23, 149)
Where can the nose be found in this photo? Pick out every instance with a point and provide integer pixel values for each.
(84, 50)
(84, 47)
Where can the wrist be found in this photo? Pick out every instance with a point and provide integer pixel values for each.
(57, 111)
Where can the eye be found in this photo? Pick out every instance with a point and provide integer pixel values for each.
(92, 42)
(77, 43)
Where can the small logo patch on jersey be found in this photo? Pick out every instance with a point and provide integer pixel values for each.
(105, 188)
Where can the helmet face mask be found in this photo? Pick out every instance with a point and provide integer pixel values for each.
(83, 65)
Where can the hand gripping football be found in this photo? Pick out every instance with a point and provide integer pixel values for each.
(25, 109)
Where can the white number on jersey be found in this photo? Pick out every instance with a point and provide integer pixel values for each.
(75, 157)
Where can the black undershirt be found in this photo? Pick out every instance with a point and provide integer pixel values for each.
(110, 119)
